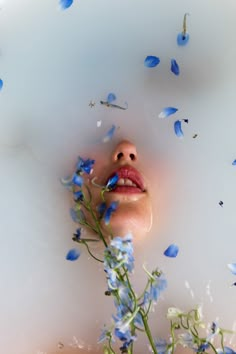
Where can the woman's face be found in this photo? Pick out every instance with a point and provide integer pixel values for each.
(134, 212)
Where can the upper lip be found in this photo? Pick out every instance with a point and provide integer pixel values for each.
(131, 173)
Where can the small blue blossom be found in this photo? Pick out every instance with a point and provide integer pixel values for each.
(111, 184)
(174, 67)
(234, 163)
(162, 346)
(158, 284)
(172, 251)
(77, 234)
(232, 267)
(1, 84)
(182, 39)
(85, 165)
(77, 180)
(109, 134)
(73, 254)
(101, 209)
(110, 210)
(227, 350)
(65, 4)
(151, 61)
(77, 216)
(167, 111)
(78, 196)
(178, 129)
(111, 97)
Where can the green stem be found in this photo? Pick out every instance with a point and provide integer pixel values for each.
(212, 347)
(97, 259)
(148, 332)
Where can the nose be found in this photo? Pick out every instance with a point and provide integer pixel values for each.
(125, 151)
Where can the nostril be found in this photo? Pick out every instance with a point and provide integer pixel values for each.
(120, 155)
(132, 157)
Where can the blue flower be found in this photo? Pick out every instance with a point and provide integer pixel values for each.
(158, 284)
(105, 335)
(66, 3)
(110, 210)
(101, 209)
(232, 267)
(78, 196)
(72, 255)
(77, 234)
(162, 346)
(111, 97)
(174, 67)
(178, 129)
(151, 61)
(167, 111)
(109, 134)
(77, 180)
(111, 184)
(77, 216)
(234, 163)
(84, 165)
(171, 251)
(182, 39)
(1, 84)
(227, 350)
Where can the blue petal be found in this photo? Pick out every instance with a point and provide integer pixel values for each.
(112, 181)
(174, 67)
(111, 97)
(101, 208)
(227, 350)
(78, 196)
(109, 134)
(232, 267)
(151, 61)
(234, 163)
(171, 251)
(178, 129)
(78, 180)
(66, 3)
(1, 84)
(77, 234)
(72, 255)
(167, 111)
(182, 39)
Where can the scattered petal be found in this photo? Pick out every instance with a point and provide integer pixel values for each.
(151, 61)
(1, 84)
(73, 254)
(167, 111)
(178, 129)
(182, 39)
(171, 251)
(232, 267)
(234, 163)
(221, 203)
(174, 67)
(111, 97)
(65, 4)
(109, 134)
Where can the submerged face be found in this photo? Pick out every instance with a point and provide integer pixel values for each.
(134, 212)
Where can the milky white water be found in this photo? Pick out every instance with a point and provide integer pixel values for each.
(53, 63)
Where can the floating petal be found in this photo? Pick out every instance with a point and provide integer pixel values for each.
(182, 39)
(178, 129)
(151, 61)
(66, 3)
(167, 111)
(1, 84)
(109, 134)
(111, 97)
(234, 163)
(232, 268)
(174, 67)
(171, 251)
(72, 255)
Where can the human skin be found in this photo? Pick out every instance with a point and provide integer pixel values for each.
(134, 212)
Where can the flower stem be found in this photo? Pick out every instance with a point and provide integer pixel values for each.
(148, 332)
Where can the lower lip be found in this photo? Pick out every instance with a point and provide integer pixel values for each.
(126, 190)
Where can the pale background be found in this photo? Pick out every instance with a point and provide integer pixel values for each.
(53, 63)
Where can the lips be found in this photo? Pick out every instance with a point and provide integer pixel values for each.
(130, 180)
